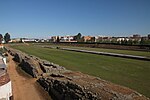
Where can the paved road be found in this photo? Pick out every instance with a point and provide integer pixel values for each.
(24, 86)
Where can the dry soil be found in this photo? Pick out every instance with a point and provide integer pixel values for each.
(24, 86)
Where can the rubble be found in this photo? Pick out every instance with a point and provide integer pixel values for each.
(79, 86)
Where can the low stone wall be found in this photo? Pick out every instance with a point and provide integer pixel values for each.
(63, 84)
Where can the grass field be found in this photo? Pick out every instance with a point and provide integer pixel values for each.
(128, 72)
(130, 52)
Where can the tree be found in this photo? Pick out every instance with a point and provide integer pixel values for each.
(142, 41)
(135, 42)
(58, 40)
(130, 42)
(113, 40)
(148, 36)
(7, 37)
(93, 39)
(78, 37)
(1, 38)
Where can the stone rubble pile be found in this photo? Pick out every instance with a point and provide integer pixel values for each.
(64, 89)
(79, 86)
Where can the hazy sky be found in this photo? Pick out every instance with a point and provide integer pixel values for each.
(44, 18)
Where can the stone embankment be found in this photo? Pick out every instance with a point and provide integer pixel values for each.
(63, 84)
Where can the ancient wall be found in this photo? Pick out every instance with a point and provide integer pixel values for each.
(34, 65)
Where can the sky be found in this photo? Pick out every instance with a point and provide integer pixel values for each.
(45, 18)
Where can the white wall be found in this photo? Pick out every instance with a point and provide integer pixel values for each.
(6, 91)
(4, 60)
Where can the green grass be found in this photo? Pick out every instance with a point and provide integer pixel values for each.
(127, 72)
(138, 53)
(130, 52)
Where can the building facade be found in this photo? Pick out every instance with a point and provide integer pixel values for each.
(5, 83)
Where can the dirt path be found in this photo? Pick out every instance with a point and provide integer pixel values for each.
(24, 86)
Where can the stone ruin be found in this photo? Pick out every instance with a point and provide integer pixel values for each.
(79, 86)
(63, 84)
(35, 66)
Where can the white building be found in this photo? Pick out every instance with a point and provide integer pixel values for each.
(54, 38)
(28, 40)
(122, 39)
(5, 83)
(67, 39)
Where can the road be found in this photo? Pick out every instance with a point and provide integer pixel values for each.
(24, 86)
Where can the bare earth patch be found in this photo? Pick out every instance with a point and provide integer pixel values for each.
(24, 86)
